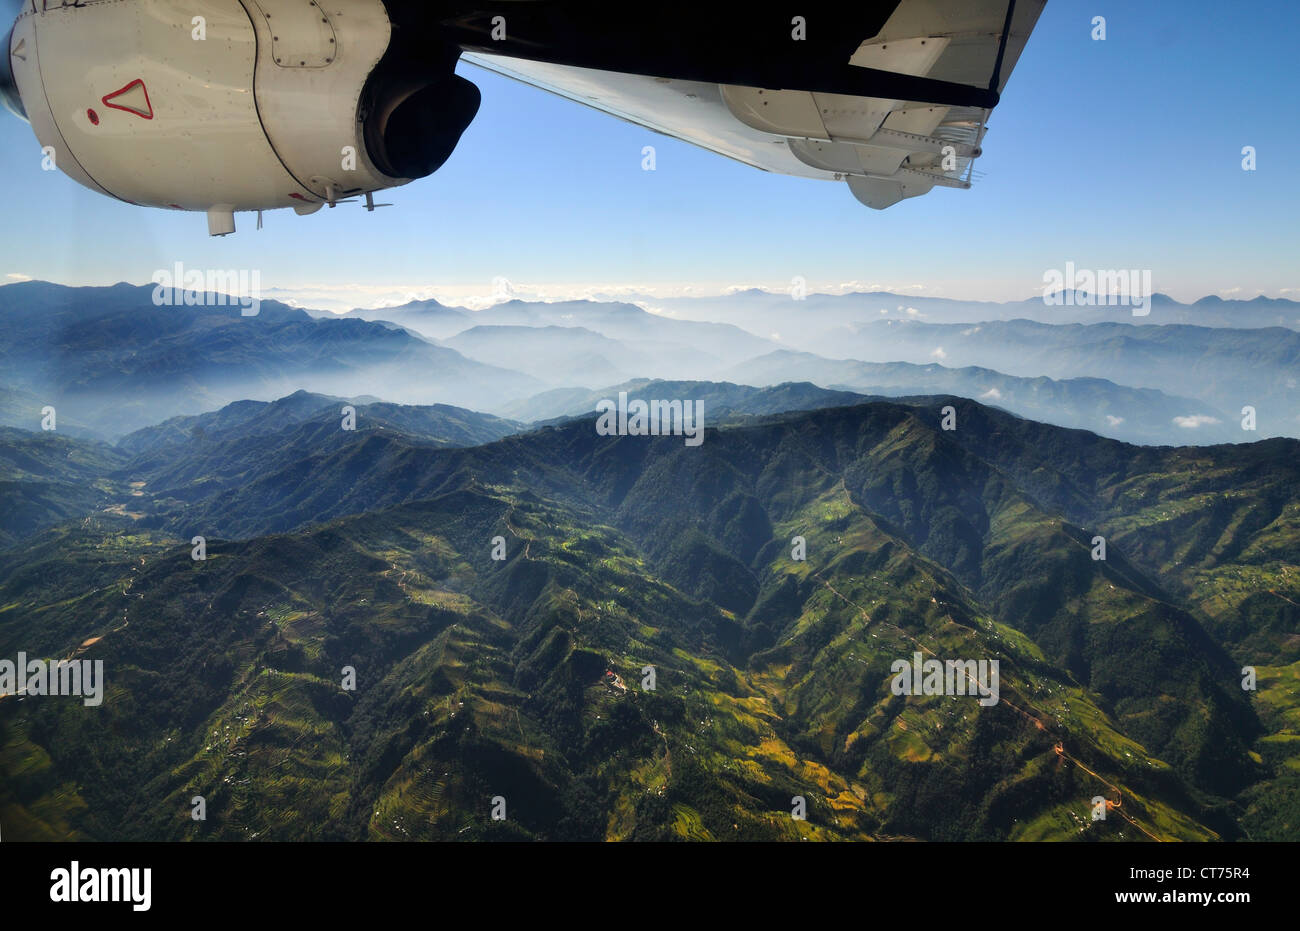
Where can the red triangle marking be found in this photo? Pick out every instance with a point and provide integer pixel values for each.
(146, 112)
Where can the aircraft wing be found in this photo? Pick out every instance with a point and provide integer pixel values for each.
(895, 109)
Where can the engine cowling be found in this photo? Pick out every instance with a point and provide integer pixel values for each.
(227, 105)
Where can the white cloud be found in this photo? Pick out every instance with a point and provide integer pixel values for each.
(938, 353)
(652, 296)
(1192, 421)
(18, 276)
(476, 296)
(993, 394)
(1113, 420)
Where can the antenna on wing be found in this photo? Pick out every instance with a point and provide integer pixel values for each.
(370, 202)
(332, 197)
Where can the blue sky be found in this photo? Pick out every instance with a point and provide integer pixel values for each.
(1117, 154)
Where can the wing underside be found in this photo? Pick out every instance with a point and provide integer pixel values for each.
(885, 148)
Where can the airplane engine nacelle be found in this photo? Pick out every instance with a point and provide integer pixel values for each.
(225, 105)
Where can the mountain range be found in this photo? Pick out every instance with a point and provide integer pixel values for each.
(379, 576)
(110, 362)
(485, 677)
